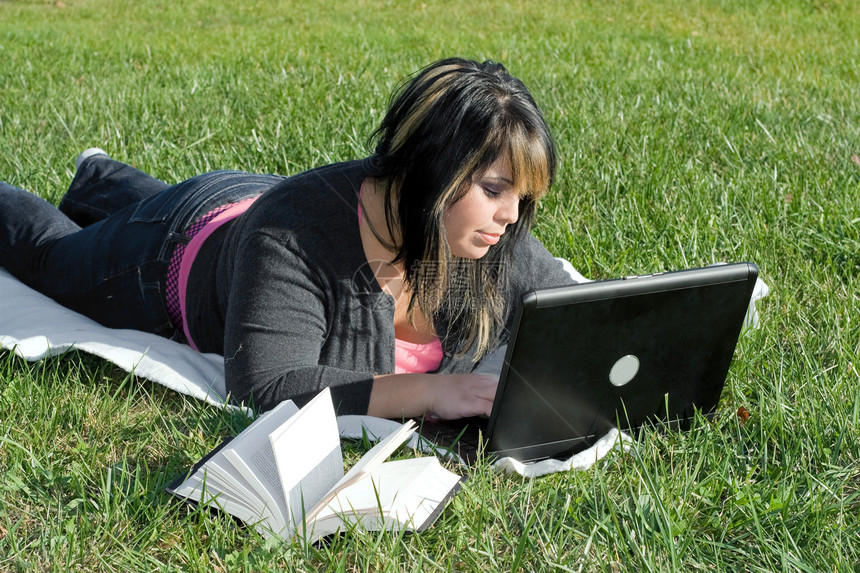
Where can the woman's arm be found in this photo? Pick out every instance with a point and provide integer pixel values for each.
(278, 320)
(446, 396)
(280, 314)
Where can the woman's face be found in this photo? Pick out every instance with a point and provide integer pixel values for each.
(478, 219)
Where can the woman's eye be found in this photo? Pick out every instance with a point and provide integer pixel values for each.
(491, 192)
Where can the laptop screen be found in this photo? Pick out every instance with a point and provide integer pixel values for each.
(585, 358)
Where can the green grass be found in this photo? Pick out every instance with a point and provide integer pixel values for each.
(689, 132)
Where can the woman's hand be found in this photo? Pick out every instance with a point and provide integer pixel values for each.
(462, 396)
(445, 396)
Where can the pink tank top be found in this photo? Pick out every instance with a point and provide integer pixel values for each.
(411, 358)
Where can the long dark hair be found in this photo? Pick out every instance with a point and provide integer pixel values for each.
(444, 127)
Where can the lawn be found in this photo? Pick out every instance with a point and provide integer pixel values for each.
(689, 133)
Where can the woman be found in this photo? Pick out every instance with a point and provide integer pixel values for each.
(386, 279)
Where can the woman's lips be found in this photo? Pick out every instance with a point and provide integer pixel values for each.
(490, 238)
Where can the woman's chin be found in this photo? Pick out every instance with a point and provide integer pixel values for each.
(471, 253)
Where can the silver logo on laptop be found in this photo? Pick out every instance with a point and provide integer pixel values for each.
(624, 369)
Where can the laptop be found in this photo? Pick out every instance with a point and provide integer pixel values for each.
(626, 353)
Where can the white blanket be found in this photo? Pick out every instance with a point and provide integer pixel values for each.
(33, 326)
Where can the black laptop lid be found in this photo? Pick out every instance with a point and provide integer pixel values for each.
(585, 358)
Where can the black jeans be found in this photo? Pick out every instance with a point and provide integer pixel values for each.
(104, 252)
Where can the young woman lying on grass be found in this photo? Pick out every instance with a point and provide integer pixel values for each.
(386, 279)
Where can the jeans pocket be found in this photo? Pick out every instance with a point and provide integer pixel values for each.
(183, 201)
(159, 208)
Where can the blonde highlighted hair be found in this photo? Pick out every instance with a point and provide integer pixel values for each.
(444, 127)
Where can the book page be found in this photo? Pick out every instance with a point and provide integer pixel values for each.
(313, 487)
(240, 475)
(399, 494)
(214, 484)
(307, 454)
(420, 502)
(219, 478)
(381, 487)
(372, 459)
(253, 468)
(229, 482)
(258, 432)
(214, 490)
(248, 457)
(377, 454)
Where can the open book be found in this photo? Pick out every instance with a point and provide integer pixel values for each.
(284, 474)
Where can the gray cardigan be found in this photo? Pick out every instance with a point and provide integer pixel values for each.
(286, 295)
